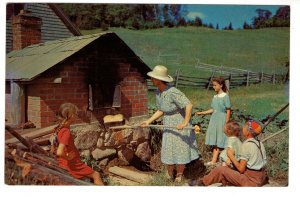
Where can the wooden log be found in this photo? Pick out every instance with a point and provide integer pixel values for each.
(28, 143)
(122, 181)
(43, 142)
(49, 163)
(48, 173)
(34, 134)
(44, 158)
(130, 174)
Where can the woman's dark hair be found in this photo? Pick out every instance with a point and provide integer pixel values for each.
(221, 81)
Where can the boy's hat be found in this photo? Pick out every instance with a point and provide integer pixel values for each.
(254, 127)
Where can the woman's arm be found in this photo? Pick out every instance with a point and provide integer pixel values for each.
(228, 113)
(240, 166)
(210, 111)
(188, 115)
(155, 116)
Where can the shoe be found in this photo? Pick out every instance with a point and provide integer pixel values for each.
(169, 177)
(178, 178)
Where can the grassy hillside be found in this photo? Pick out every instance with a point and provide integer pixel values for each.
(256, 50)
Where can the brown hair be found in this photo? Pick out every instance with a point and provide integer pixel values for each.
(221, 81)
(233, 128)
(65, 112)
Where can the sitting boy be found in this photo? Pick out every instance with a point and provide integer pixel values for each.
(250, 169)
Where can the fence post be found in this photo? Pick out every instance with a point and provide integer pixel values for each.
(262, 77)
(158, 58)
(177, 78)
(274, 78)
(210, 79)
(248, 75)
(227, 84)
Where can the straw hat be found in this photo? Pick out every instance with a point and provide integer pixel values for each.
(161, 73)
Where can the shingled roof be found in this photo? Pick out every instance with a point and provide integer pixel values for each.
(26, 64)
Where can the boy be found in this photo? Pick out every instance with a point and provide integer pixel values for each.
(250, 169)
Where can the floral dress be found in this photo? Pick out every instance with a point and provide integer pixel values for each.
(178, 146)
(215, 133)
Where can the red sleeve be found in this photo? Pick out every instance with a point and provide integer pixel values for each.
(63, 136)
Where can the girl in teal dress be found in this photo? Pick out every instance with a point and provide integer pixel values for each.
(220, 110)
(179, 145)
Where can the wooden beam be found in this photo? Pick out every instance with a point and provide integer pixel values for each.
(34, 134)
(130, 174)
(17, 103)
(30, 144)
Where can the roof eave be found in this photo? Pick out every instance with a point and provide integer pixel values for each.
(65, 19)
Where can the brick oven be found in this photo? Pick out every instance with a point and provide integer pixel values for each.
(98, 73)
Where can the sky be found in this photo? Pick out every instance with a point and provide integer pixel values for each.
(224, 14)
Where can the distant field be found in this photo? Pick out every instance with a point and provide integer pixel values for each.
(264, 50)
(256, 100)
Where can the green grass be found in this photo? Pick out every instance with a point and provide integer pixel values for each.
(256, 100)
(257, 50)
(259, 101)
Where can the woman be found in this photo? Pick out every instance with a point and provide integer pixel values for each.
(179, 145)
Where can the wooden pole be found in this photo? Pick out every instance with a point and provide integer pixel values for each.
(274, 116)
(28, 143)
(274, 134)
(153, 126)
(248, 75)
(262, 77)
(274, 78)
(210, 79)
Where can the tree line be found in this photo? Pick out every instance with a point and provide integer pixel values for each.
(264, 19)
(151, 16)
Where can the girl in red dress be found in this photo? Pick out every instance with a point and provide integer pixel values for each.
(68, 156)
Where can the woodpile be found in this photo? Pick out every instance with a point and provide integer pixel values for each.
(36, 163)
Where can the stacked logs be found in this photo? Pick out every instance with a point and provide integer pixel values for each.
(35, 163)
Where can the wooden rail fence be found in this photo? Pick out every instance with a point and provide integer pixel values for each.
(234, 79)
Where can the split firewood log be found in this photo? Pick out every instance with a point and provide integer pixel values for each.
(113, 118)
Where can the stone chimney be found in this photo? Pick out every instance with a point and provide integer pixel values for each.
(26, 30)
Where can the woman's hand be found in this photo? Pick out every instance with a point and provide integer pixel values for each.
(144, 123)
(198, 113)
(181, 126)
